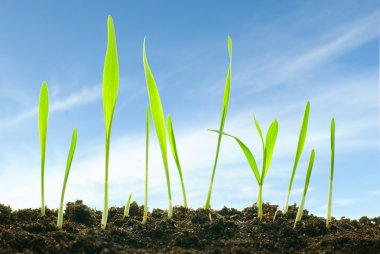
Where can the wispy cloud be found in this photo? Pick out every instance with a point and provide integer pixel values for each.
(84, 96)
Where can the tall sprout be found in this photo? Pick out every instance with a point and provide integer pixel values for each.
(329, 204)
(268, 148)
(173, 147)
(158, 121)
(43, 115)
(67, 171)
(145, 217)
(307, 180)
(226, 98)
(301, 143)
(110, 91)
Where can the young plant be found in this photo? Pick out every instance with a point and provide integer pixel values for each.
(268, 148)
(329, 204)
(307, 180)
(110, 91)
(175, 156)
(145, 217)
(68, 166)
(158, 121)
(127, 206)
(301, 143)
(43, 115)
(226, 98)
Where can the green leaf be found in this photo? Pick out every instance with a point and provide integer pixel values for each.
(158, 119)
(175, 156)
(307, 180)
(226, 97)
(270, 142)
(260, 132)
(43, 115)
(301, 143)
(110, 77)
(67, 172)
(250, 158)
(110, 90)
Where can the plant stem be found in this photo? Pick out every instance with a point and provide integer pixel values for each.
(145, 217)
(208, 200)
(105, 207)
(260, 203)
(329, 204)
(43, 184)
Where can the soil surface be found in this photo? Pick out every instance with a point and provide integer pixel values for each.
(189, 231)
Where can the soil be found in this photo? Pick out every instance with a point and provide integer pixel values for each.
(189, 231)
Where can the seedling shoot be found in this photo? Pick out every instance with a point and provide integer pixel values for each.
(329, 204)
(127, 206)
(307, 180)
(110, 91)
(226, 98)
(43, 115)
(173, 147)
(147, 129)
(158, 121)
(67, 172)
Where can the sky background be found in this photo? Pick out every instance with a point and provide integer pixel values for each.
(284, 54)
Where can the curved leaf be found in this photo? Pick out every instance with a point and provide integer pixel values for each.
(270, 142)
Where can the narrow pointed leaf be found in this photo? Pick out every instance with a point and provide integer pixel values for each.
(43, 115)
(270, 142)
(110, 77)
(158, 120)
(173, 147)
(259, 131)
(250, 158)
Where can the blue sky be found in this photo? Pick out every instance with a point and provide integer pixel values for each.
(284, 53)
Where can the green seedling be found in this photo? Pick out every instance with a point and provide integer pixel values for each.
(268, 148)
(127, 206)
(43, 115)
(301, 143)
(145, 217)
(158, 121)
(307, 180)
(176, 159)
(110, 91)
(226, 98)
(68, 166)
(329, 204)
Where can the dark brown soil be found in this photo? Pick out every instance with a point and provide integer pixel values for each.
(189, 231)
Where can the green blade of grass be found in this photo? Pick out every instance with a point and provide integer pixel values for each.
(173, 147)
(110, 90)
(329, 204)
(67, 172)
(270, 142)
(248, 155)
(158, 121)
(43, 115)
(301, 143)
(259, 131)
(145, 217)
(127, 206)
(307, 180)
(226, 97)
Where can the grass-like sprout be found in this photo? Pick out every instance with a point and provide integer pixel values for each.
(301, 143)
(226, 98)
(110, 91)
(307, 180)
(145, 217)
(158, 121)
(268, 148)
(68, 166)
(329, 204)
(176, 159)
(127, 206)
(43, 115)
